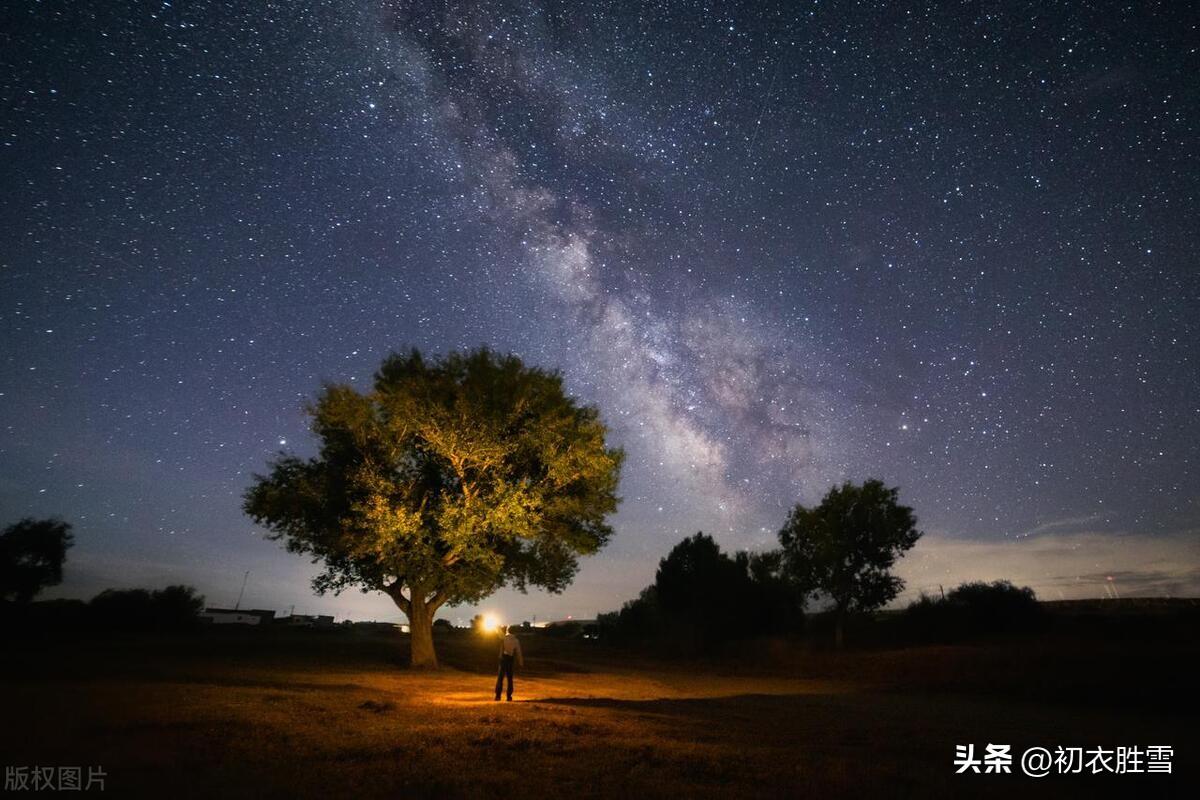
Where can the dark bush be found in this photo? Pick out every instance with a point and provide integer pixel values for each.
(997, 606)
(174, 607)
(47, 615)
(974, 609)
(563, 630)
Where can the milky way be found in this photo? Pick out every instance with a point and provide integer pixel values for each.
(779, 246)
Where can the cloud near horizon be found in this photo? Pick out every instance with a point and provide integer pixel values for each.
(1059, 566)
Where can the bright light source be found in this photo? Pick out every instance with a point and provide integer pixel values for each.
(490, 623)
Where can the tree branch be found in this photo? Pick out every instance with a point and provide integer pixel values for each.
(457, 463)
(394, 590)
(436, 601)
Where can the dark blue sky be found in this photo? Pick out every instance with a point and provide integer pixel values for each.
(779, 246)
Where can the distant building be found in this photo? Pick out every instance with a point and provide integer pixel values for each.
(381, 627)
(570, 627)
(232, 616)
(565, 623)
(307, 621)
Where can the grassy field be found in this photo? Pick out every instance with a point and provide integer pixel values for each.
(280, 713)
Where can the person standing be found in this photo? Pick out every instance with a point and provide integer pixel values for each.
(510, 651)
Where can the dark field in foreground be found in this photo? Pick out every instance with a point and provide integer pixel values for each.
(276, 713)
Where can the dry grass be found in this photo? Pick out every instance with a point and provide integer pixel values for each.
(301, 714)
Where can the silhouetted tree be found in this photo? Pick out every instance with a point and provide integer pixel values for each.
(773, 605)
(640, 618)
(32, 552)
(845, 547)
(702, 596)
(177, 605)
(449, 479)
(698, 585)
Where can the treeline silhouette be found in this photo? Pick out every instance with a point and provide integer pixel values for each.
(174, 608)
(835, 557)
(32, 553)
(702, 599)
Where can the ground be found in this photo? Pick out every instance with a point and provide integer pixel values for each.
(334, 714)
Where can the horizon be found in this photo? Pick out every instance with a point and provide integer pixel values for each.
(513, 607)
(774, 250)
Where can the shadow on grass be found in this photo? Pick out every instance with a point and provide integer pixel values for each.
(753, 704)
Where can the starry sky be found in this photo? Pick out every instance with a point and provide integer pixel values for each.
(779, 245)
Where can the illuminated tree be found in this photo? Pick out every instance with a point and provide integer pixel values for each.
(32, 552)
(844, 548)
(448, 480)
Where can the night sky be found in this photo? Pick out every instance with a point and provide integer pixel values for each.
(952, 246)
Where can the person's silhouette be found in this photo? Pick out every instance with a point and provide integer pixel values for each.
(510, 651)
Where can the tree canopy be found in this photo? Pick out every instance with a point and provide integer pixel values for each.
(845, 547)
(449, 479)
(32, 552)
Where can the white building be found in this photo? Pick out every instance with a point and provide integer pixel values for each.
(231, 616)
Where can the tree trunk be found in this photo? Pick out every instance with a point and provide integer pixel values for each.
(420, 610)
(420, 633)
(839, 623)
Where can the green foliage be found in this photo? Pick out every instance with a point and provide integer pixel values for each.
(32, 552)
(844, 548)
(447, 480)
